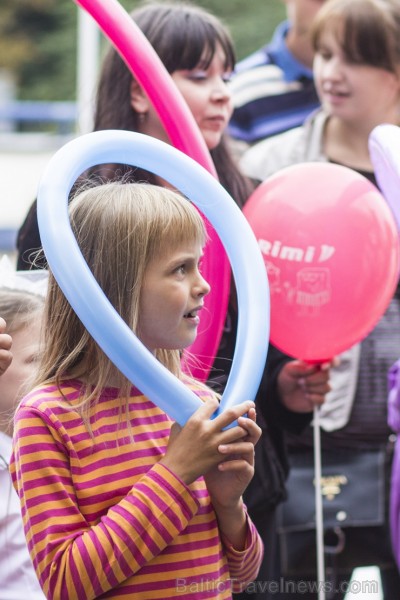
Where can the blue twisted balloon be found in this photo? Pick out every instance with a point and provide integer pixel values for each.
(93, 308)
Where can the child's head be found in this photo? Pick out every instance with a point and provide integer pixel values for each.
(22, 311)
(368, 31)
(122, 230)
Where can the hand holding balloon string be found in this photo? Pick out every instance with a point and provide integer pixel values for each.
(303, 386)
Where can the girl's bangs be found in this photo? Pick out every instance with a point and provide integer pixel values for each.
(196, 45)
(365, 41)
(364, 36)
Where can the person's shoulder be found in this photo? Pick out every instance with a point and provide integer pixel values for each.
(300, 144)
(259, 58)
(202, 390)
(268, 156)
(49, 399)
(254, 68)
(264, 81)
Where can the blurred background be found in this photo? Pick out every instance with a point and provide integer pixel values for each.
(50, 51)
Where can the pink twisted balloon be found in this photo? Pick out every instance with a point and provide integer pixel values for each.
(149, 71)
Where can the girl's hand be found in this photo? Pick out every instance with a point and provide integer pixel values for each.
(5, 346)
(193, 450)
(303, 386)
(227, 481)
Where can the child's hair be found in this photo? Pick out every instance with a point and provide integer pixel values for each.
(368, 31)
(18, 307)
(120, 227)
(183, 36)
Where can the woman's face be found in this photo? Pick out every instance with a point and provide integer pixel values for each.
(208, 98)
(355, 93)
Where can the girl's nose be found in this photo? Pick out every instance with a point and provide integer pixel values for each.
(221, 91)
(202, 287)
(332, 69)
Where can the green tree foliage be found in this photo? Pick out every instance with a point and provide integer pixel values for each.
(38, 39)
(38, 46)
(251, 22)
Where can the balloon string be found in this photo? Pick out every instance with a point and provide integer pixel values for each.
(318, 506)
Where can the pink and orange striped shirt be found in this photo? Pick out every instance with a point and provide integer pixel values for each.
(103, 519)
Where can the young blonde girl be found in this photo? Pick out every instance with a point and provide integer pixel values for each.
(124, 504)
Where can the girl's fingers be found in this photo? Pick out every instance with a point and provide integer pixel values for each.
(252, 429)
(232, 435)
(236, 448)
(235, 465)
(206, 410)
(232, 414)
(5, 341)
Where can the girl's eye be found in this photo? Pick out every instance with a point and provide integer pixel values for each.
(226, 77)
(181, 270)
(33, 358)
(323, 53)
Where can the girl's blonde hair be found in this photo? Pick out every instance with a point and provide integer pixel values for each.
(120, 227)
(367, 30)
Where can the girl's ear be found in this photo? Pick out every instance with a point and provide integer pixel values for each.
(139, 100)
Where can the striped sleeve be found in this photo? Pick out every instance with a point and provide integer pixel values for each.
(245, 564)
(79, 560)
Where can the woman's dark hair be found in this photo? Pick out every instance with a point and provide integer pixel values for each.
(182, 35)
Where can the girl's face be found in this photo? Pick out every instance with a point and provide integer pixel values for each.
(207, 95)
(354, 93)
(172, 296)
(14, 382)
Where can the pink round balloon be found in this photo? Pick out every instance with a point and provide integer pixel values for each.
(149, 71)
(331, 251)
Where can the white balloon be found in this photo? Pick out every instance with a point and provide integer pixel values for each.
(384, 147)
